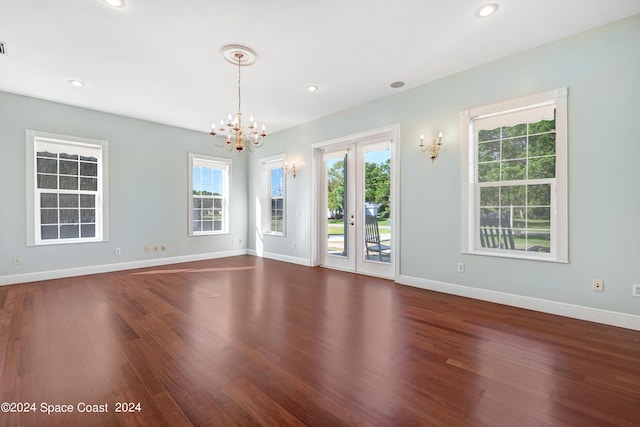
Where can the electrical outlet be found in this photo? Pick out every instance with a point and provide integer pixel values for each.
(293, 245)
(17, 260)
(118, 251)
(461, 267)
(636, 290)
(597, 285)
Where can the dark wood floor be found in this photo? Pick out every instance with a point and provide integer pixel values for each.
(257, 342)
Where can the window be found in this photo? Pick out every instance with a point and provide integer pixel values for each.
(67, 184)
(273, 195)
(209, 195)
(515, 186)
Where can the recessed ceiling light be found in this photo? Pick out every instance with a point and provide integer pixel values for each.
(487, 10)
(396, 85)
(115, 3)
(76, 83)
(312, 88)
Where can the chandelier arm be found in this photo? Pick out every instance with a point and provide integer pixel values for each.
(219, 145)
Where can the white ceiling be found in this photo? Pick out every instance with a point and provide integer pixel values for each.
(160, 60)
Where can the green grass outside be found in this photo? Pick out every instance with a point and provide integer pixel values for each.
(336, 226)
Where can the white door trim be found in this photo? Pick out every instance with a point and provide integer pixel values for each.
(391, 132)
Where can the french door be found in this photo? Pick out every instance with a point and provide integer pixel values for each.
(356, 227)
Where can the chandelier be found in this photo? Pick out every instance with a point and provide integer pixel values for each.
(239, 137)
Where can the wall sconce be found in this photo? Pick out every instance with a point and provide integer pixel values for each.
(432, 148)
(291, 170)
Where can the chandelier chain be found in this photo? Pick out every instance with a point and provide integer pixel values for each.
(239, 56)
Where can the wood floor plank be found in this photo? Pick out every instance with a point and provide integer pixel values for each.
(250, 341)
(263, 410)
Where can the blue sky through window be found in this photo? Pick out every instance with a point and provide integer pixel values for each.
(276, 182)
(207, 179)
(377, 157)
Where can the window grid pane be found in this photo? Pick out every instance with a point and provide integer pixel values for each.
(277, 215)
(514, 202)
(277, 200)
(277, 182)
(65, 183)
(208, 188)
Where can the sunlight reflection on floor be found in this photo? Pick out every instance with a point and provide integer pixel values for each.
(192, 270)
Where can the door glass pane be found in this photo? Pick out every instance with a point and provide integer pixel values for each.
(336, 205)
(377, 193)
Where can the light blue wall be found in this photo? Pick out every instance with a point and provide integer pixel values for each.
(148, 173)
(147, 188)
(601, 68)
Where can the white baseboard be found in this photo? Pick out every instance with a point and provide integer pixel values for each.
(606, 317)
(106, 268)
(279, 257)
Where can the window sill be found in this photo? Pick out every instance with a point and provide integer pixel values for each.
(526, 256)
(209, 233)
(273, 233)
(66, 242)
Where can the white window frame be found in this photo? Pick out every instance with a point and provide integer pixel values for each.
(38, 141)
(223, 165)
(267, 164)
(525, 106)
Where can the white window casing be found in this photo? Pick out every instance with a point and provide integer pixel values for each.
(208, 189)
(67, 189)
(527, 110)
(273, 195)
